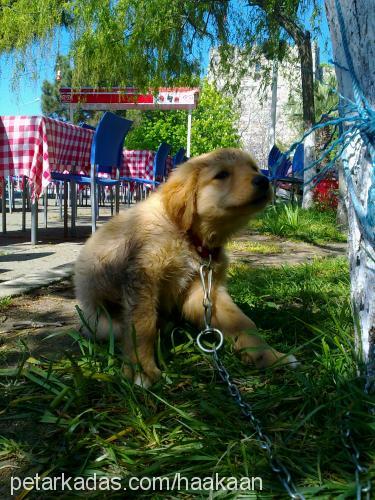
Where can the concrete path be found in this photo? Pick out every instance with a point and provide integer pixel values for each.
(24, 267)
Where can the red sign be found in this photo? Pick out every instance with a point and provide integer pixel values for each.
(130, 98)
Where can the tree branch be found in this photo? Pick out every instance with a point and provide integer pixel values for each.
(291, 26)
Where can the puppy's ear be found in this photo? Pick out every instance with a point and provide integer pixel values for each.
(179, 195)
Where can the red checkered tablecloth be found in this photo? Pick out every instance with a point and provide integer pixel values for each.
(140, 163)
(35, 146)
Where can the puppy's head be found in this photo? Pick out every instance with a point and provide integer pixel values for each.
(215, 193)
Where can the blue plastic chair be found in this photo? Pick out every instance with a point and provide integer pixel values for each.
(298, 162)
(179, 157)
(159, 171)
(294, 173)
(273, 157)
(287, 172)
(278, 165)
(106, 153)
(59, 178)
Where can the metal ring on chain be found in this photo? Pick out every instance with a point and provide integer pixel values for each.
(207, 331)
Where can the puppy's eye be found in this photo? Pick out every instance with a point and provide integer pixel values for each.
(223, 174)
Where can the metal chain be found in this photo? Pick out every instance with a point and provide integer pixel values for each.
(263, 439)
(206, 272)
(363, 491)
(354, 452)
(370, 366)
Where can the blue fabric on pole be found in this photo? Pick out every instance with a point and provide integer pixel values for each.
(355, 119)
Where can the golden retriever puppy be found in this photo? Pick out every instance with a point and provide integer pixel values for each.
(144, 263)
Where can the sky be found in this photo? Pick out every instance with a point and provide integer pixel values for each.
(25, 98)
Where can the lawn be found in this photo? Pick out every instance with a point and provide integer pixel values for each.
(80, 416)
(292, 222)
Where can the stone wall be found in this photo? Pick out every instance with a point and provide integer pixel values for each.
(254, 104)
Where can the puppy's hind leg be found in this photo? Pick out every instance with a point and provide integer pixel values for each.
(100, 323)
(138, 342)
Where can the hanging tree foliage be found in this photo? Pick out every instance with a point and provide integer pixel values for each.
(148, 42)
(162, 42)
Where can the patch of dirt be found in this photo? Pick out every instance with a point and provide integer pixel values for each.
(52, 304)
(289, 252)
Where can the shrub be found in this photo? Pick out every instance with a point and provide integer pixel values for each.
(326, 194)
(213, 125)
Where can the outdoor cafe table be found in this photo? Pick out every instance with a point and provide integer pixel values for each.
(34, 146)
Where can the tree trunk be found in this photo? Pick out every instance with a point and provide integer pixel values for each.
(342, 212)
(359, 21)
(307, 79)
(303, 41)
(272, 128)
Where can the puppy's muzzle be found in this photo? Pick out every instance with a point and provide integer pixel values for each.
(262, 189)
(261, 182)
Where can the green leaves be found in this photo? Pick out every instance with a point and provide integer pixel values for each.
(213, 125)
(143, 42)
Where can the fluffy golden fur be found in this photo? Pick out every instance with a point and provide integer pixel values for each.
(144, 263)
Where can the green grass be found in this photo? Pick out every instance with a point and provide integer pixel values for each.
(254, 247)
(5, 302)
(293, 222)
(80, 416)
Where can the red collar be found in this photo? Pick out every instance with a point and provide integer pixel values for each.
(201, 249)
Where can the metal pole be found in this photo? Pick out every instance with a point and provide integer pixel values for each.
(45, 199)
(272, 129)
(34, 221)
(4, 206)
(73, 200)
(65, 209)
(93, 199)
(59, 185)
(24, 189)
(13, 197)
(117, 192)
(10, 197)
(188, 134)
(71, 114)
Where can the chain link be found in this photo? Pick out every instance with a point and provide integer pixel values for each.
(362, 490)
(363, 487)
(370, 366)
(206, 280)
(263, 439)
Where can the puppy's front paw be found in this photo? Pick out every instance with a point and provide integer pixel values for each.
(142, 380)
(270, 357)
(140, 376)
(291, 361)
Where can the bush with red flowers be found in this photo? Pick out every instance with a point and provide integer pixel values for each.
(326, 193)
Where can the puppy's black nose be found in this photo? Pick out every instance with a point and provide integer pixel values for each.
(261, 182)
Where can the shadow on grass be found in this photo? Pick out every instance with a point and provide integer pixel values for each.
(93, 420)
